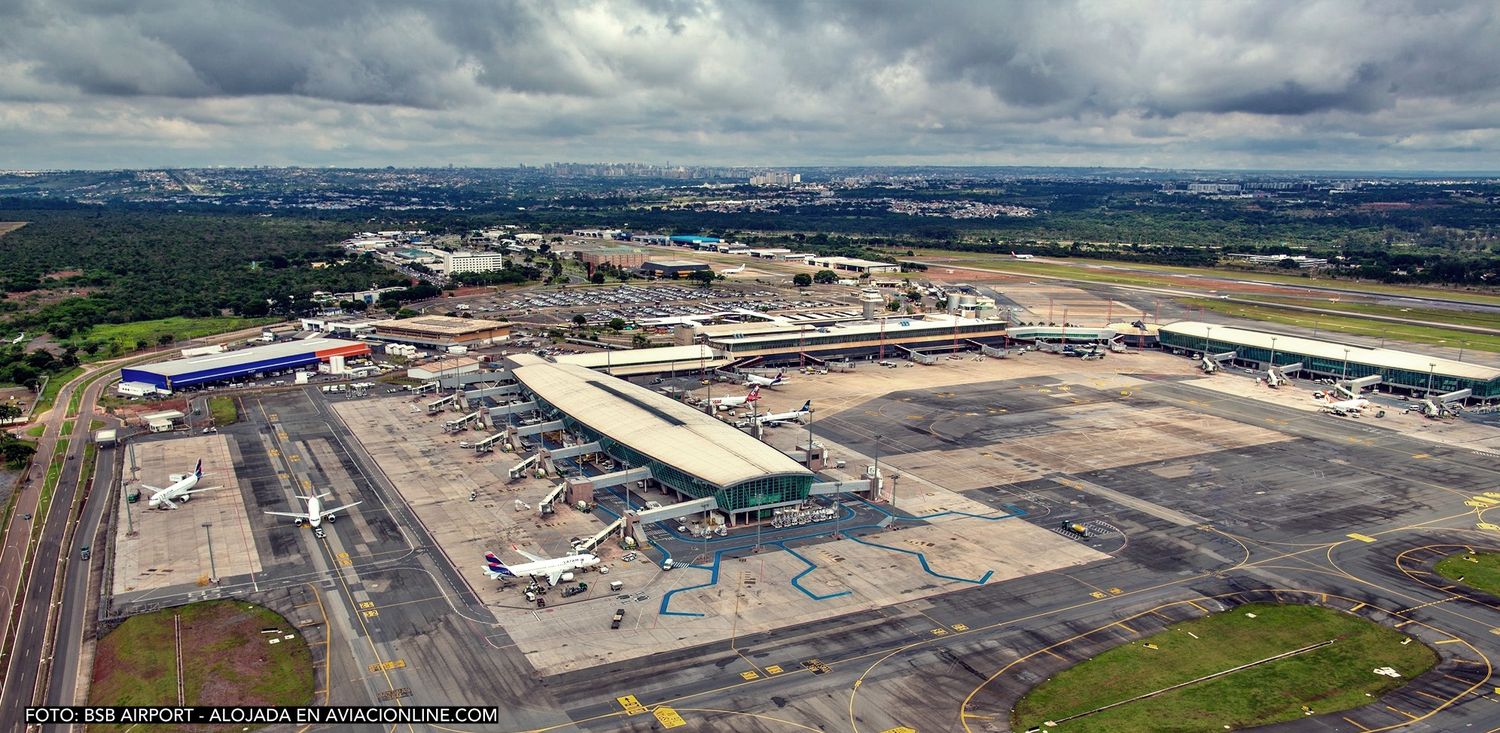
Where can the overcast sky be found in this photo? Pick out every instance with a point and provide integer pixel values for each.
(1361, 86)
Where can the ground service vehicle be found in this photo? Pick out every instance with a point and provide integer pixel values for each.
(614, 623)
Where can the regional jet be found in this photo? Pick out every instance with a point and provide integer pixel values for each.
(182, 489)
(724, 403)
(315, 513)
(777, 418)
(733, 270)
(760, 381)
(538, 567)
(1021, 257)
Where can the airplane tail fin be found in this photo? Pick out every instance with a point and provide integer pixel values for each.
(806, 406)
(496, 568)
(198, 470)
(323, 495)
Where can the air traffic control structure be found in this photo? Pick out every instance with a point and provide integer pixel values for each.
(1401, 371)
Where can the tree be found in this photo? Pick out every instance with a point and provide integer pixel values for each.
(141, 344)
(894, 305)
(802, 280)
(704, 278)
(16, 452)
(597, 278)
(579, 320)
(1287, 263)
(825, 277)
(617, 324)
(165, 339)
(9, 411)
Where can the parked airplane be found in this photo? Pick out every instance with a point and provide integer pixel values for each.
(724, 403)
(760, 381)
(777, 418)
(18, 339)
(1346, 407)
(1020, 257)
(315, 513)
(182, 488)
(733, 270)
(538, 567)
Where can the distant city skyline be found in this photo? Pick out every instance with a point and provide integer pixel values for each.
(1307, 86)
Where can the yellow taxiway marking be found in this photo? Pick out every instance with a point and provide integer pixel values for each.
(773, 669)
(631, 705)
(1449, 641)
(1361, 537)
(668, 717)
(904, 729)
(1357, 725)
(749, 675)
(392, 664)
(960, 627)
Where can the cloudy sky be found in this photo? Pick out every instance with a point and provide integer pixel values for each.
(1296, 84)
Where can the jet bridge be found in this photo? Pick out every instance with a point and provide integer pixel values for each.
(497, 391)
(673, 511)
(453, 426)
(589, 544)
(838, 487)
(456, 381)
(424, 388)
(513, 408)
(519, 470)
(437, 405)
(487, 443)
(1436, 407)
(1277, 375)
(537, 428)
(1351, 388)
(1211, 363)
(550, 457)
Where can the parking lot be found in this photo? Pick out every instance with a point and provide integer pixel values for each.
(643, 302)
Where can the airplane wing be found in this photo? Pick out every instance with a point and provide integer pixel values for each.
(297, 515)
(194, 491)
(152, 488)
(327, 512)
(555, 575)
(527, 555)
(168, 503)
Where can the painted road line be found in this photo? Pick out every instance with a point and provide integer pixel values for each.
(631, 705)
(669, 717)
(1361, 537)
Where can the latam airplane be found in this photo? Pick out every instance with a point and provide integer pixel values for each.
(1346, 407)
(777, 418)
(733, 270)
(315, 513)
(760, 381)
(1021, 257)
(724, 403)
(538, 567)
(181, 489)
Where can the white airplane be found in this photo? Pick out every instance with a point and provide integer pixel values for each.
(1346, 407)
(539, 567)
(733, 270)
(1021, 257)
(315, 513)
(777, 418)
(760, 381)
(182, 489)
(19, 339)
(724, 403)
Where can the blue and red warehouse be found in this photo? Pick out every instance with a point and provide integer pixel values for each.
(183, 373)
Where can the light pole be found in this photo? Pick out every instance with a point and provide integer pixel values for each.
(1464, 345)
(1207, 334)
(838, 515)
(213, 572)
(1346, 365)
(1430, 366)
(1273, 353)
(878, 436)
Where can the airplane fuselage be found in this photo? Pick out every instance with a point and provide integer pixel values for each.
(176, 492)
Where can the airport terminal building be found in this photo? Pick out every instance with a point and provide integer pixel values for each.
(1417, 374)
(685, 450)
(169, 376)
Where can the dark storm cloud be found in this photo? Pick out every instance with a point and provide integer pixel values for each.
(483, 81)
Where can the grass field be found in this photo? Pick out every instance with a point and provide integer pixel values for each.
(1332, 678)
(1147, 274)
(36, 430)
(226, 660)
(125, 335)
(67, 429)
(54, 385)
(1480, 570)
(223, 410)
(1351, 324)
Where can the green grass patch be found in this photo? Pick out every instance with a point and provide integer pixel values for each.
(1351, 324)
(1480, 570)
(1144, 274)
(67, 428)
(95, 425)
(36, 430)
(226, 660)
(54, 385)
(1329, 679)
(223, 410)
(119, 338)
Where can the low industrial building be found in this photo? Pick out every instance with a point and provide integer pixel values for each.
(444, 368)
(685, 450)
(170, 376)
(1403, 371)
(853, 264)
(673, 268)
(442, 331)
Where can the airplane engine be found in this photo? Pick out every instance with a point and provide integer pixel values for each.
(297, 522)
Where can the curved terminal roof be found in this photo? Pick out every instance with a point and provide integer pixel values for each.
(655, 425)
(1333, 350)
